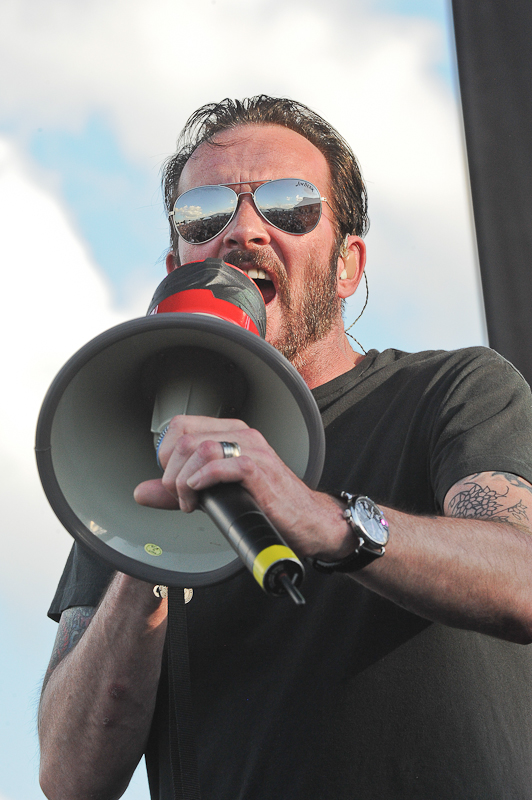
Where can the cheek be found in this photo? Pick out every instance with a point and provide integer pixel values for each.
(314, 259)
(184, 252)
(199, 252)
(188, 253)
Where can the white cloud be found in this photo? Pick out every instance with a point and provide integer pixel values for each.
(148, 65)
(57, 299)
(145, 66)
(190, 211)
(54, 301)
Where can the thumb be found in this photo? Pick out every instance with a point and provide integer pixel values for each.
(152, 493)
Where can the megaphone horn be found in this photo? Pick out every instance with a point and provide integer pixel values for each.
(96, 429)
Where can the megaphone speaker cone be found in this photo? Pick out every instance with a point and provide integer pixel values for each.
(94, 442)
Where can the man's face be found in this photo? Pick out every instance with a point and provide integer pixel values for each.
(293, 272)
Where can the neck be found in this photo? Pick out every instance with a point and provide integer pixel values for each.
(326, 359)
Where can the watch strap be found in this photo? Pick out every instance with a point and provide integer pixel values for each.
(351, 563)
(362, 555)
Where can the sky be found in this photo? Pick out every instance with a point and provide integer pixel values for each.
(93, 96)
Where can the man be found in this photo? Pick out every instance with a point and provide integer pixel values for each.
(404, 675)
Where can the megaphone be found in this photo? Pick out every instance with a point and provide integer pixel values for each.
(110, 402)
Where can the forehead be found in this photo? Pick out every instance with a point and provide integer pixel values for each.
(254, 153)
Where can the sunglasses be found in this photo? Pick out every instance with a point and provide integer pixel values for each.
(291, 205)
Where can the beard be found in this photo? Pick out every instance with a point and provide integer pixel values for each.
(309, 314)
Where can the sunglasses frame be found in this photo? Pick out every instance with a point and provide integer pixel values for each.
(263, 182)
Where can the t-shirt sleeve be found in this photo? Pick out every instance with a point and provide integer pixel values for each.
(484, 422)
(83, 582)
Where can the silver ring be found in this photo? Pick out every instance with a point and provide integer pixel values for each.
(231, 449)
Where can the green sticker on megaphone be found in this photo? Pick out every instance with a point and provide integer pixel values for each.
(153, 549)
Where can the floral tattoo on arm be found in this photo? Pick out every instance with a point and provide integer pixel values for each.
(478, 501)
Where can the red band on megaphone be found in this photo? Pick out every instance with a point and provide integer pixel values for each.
(202, 301)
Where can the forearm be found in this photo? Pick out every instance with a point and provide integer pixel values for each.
(471, 572)
(466, 573)
(469, 569)
(97, 706)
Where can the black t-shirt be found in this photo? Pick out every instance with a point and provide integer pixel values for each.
(351, 697)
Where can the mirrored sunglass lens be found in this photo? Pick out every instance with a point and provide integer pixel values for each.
(200, 214)
(292, 205)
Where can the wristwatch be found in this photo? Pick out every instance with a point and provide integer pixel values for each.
(371, 529)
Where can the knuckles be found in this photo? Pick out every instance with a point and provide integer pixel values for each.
(182, 446)
(209, 450)
(178, 424)
(185, 444)
(192, 444)
(247, 466)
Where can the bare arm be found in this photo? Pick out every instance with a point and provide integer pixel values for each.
(473, 572)
(471, 568)
(99, 693)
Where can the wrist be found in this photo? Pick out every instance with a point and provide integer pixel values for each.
(332, 537)
(369, 529)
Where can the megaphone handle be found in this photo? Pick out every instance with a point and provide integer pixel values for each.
(256, 541)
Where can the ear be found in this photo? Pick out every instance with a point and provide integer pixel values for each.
(170, 262)
(351, 263)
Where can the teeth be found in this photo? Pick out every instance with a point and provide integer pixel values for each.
(257, 274)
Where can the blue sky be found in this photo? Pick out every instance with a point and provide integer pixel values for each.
(115, 201)
(96, 96)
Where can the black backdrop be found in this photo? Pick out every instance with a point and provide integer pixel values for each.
(494, 50)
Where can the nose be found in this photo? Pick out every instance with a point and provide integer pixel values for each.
(247, 228)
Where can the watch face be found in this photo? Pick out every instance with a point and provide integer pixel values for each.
(369, 517)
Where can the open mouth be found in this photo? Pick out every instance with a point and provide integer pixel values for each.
(263, 282)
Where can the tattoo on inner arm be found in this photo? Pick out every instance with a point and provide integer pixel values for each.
(72, 625)
(485, 502)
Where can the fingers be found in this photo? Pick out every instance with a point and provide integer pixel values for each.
(205, 469)
(187, 432)
(196, 464)
(193, 460)
(192, 457)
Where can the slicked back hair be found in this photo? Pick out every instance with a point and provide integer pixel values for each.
(348, 196)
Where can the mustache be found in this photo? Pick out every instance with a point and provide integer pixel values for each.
(266, 260)
(256, 258)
